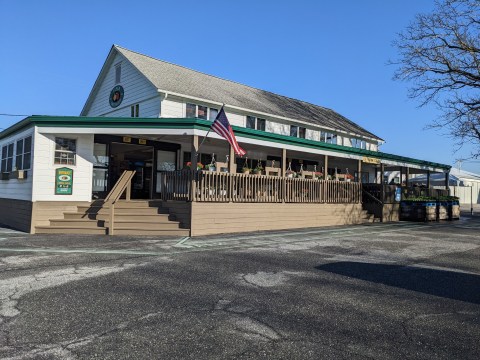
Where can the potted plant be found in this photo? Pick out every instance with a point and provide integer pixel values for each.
(246, 170)
(212, 167)
(290, 174)
(318, 175)
(258, 169)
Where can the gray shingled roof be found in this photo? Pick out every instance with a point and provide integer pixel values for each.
(170, 77)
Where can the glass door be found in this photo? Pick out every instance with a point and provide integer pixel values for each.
(100, 171)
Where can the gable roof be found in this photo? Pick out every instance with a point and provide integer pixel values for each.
(180, 80)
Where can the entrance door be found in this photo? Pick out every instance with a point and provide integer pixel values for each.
(166, 161)
(133, 157)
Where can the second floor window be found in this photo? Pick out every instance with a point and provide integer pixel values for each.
(255, 123)
(359, 144)
(297, 131)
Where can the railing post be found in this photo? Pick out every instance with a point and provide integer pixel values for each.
(111, 230)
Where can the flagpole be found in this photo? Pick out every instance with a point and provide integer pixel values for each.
(208, 132)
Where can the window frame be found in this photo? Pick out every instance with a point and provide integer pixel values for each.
(23, 154)
(69, 160)
(294, 130)
(5, 165)
(118, 73)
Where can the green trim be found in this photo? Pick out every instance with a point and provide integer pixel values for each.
(199, 124)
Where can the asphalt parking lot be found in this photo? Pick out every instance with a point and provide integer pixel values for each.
(382, 291)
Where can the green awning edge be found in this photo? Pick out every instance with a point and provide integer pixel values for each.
(199, 124)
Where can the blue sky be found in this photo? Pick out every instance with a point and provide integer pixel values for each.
(330, 53)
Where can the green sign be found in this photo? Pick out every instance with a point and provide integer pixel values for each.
(63, 181)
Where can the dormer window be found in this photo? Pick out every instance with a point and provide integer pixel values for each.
(118, 73)
(255, 123)
(297, 131)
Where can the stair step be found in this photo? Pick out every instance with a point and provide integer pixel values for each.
(70, 230)
(131, 203)
(76, 223)
(122, 210)
(144, 225)
(133, 231)
(159, 218)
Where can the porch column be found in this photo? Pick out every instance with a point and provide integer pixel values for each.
(231, 161)
(382, 175)
(407, 176)
(284, 161)
(326, 168)
(359, 170)
(193, 167)
(447, 182)
(428, 179)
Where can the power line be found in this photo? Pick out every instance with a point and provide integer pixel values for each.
(13, 115)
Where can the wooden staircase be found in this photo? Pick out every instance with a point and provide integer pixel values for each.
(135, 217)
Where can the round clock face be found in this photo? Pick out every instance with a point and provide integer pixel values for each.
(116, 96)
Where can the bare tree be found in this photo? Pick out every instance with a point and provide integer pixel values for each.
(439, 53)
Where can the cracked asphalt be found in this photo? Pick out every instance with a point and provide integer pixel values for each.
(377, 291)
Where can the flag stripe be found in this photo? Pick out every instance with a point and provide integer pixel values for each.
(222, 127)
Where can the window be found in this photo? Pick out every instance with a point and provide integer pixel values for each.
(293, 130)
(24, 153)
(327, 137)
(359, 144)
(297, 131)
(191, 111)
(213, 114)
(301, 132)
(7, 158)
(250, 122)
(135, 110)
(65, 151)
(261, 124)
(202, 112)
(118, 73)
(255, 123)
(331, 138)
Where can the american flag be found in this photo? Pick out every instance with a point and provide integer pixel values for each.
(222, 127)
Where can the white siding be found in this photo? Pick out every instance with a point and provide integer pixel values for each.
(236, 119)
(44, 168)
(312, 135)
(136, 89)
(173, 108)
(277, 128)
(15, 188)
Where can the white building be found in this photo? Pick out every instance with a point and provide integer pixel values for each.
(149, 116)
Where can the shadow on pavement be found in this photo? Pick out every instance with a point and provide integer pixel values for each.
(446, 284)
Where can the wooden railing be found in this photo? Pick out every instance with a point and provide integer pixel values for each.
(122, 185)
(205, 186)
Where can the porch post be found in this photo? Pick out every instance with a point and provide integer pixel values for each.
(382, 175)
(231, 160)
(326, 168)
(193, 168)
(284, 161)
(407, 176)
(359, 170)
(447, 182)
(428, 179)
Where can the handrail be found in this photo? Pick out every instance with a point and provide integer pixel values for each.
(118, 189)
(366, 192)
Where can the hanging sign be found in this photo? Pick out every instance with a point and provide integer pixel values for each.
(63, 181)
(370, 160)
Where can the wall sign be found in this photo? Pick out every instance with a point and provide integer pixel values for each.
(63, 181)
(116, 96)
(370, 160)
